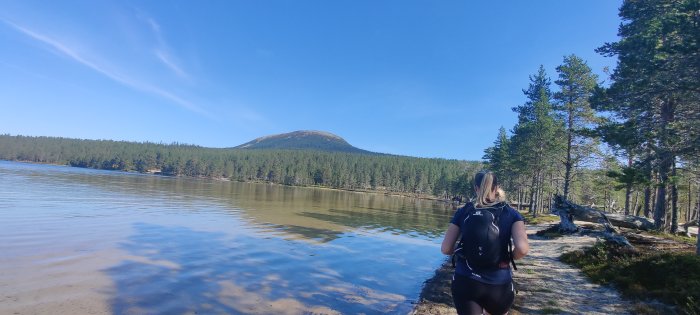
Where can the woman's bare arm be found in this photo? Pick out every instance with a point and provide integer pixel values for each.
(448, 243)
(519, 240)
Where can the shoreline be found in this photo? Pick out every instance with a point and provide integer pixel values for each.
(224, 179)
(545, 284)
(436, 297)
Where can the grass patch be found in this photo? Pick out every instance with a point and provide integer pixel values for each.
(677, 238)
(540, 219)
(668, 277)
(651, 309)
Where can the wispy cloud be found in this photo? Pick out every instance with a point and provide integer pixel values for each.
(162, 52)
(168, 62)
(154, 25)
(67, 51)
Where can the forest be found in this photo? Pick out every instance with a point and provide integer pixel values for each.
(629, 142)
(342, 170)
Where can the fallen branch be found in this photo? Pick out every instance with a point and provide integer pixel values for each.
(691, 232)
(567, 211)
(630, 221)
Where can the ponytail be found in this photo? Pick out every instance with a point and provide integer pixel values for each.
(488, 192)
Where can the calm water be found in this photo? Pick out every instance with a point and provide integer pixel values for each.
(79, 241)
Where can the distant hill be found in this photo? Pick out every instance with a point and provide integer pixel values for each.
(301, 140)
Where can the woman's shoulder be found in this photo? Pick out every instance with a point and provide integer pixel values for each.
(466, 207)
(514, 213)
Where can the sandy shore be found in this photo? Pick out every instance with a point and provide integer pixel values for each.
(545, 285)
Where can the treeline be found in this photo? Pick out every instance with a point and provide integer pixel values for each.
(634, 138)
(438, 177)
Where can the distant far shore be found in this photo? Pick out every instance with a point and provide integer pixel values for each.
(158, 173)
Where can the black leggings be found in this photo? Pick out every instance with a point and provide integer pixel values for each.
(471, 296)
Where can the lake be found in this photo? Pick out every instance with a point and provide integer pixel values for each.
(83, 241)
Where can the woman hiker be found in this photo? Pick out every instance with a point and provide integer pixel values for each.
(483, 280)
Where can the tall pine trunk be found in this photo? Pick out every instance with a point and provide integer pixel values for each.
(674, 208)
(539, 198)
(605, 200)
(543, 200)
(660, 207)
(689, 212)
(568, 164)
(647, 201)
(628, 196)
(628, 189)
(674, 199)
(697, 209)
(533, 189)
(520, 199)
(666, 161)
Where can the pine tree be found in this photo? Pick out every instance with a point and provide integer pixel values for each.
(499, 158)
(576, 83)
(536, 142)
(656, 83)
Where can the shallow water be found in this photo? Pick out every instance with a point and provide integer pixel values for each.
(80, 241)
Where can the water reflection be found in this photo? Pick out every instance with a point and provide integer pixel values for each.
(177, 270)
(340, 211)
(311, 233)
(298, 211)
(178, 245)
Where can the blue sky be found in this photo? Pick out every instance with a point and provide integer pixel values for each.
(417, 78)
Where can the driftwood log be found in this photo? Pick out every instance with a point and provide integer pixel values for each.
(687, 228)
(630, 221)
(567, 211)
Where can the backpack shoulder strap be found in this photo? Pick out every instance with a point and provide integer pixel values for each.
(509, 247)
(510, 255)
(468, 209)
(507, 207)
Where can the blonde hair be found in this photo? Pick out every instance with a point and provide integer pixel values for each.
(488, 192)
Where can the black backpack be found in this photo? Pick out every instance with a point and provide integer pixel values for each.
(480, 246)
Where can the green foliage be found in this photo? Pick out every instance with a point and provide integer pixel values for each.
(649, 113)
(540, 219)
(596, 188)
(576, 83)
(678, 238)
(356, 171)
(499, 160)
(668, 277)
(551, 310)
(536, 147)
(653, 100)
(631, 175)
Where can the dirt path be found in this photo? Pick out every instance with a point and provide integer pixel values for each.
(545, 285)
